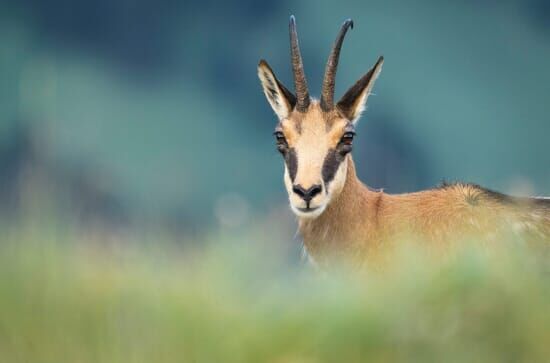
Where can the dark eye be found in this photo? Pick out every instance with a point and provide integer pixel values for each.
(281, 141)
(347, 138)
(279, 136)
(346, 142)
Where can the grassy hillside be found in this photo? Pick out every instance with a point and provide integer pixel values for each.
(66, 300)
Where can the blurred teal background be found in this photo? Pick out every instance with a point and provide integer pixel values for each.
(137, 114)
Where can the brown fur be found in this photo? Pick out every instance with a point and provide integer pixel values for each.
(360, 223)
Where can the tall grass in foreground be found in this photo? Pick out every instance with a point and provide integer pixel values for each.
(75, 302)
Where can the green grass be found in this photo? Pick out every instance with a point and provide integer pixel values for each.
(64, 300)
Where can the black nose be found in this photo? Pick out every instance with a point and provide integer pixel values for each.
(308, 194)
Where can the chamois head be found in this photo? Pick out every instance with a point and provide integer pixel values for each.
(315, 137)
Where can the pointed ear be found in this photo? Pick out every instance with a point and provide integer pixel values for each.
(352, 104)
(282, 101)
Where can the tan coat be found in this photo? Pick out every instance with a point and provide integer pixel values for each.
(360, 222)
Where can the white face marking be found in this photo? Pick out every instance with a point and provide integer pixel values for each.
(320, 202)
(311, 140)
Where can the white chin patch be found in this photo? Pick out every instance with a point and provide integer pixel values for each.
(313, 213)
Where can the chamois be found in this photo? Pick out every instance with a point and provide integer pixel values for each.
(340, 216)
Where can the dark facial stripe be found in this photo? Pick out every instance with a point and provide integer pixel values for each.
(330, 165)
(291, 163)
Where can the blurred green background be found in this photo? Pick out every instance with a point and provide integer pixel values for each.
(142, 208)
(148, 114)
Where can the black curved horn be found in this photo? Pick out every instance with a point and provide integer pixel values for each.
(327, 93)
(300, 84)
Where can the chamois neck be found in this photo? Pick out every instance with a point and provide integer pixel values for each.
(350, 198)
(346, 213)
